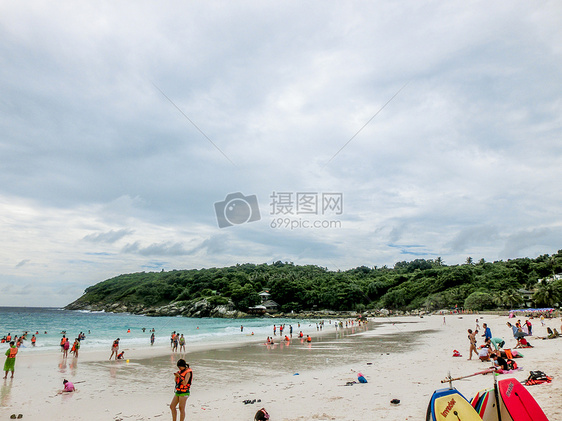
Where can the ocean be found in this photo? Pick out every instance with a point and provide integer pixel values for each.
(101, 328)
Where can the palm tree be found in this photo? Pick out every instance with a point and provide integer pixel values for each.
(511, 298)
(469, 260)
(546, 294)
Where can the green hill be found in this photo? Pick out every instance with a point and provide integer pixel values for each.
(419, 284)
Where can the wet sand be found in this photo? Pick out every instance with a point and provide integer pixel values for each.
(402, 358)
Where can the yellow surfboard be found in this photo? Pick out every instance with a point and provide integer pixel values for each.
(450, 405)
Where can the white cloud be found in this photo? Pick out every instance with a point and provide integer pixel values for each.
(101, 175)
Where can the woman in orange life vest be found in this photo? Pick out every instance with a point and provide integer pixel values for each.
(10, 363)
(183, 384)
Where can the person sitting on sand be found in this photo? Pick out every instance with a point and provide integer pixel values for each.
(68, 386)
(499, 362)
(484, 353)
(551, 334)
(121, 355)
(523, 343)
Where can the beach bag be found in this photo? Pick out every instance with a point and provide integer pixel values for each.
(361, 378)
(511, 365)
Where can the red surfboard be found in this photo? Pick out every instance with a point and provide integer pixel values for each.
(519, 402)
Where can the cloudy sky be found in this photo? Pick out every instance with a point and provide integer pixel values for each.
(370, 132)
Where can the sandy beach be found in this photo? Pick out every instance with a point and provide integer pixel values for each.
(401, 357)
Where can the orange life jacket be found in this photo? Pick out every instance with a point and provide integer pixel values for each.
(8, 338)
(180, 387)
(13, 352)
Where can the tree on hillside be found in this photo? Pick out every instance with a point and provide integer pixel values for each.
(479, 300)
(509, 298)
(547, 294)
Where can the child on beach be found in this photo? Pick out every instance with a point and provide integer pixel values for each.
(68, 386)
(75, 348)
(183, 379)
(10, 363)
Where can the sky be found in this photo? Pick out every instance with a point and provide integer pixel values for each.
(147, 136)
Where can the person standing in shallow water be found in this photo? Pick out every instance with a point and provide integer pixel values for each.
(183, 379)
(10, 363)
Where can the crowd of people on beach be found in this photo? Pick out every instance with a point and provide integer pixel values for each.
(494, 348)
(184, 375)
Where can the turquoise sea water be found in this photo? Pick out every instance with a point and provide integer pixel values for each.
(102, 328)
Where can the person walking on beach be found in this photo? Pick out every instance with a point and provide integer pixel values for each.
(487, 332)
(115, 348)
(65, 348)
(183, 379)
(10, 363)
(75, 348)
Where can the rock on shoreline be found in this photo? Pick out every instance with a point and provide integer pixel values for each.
(200, 308)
